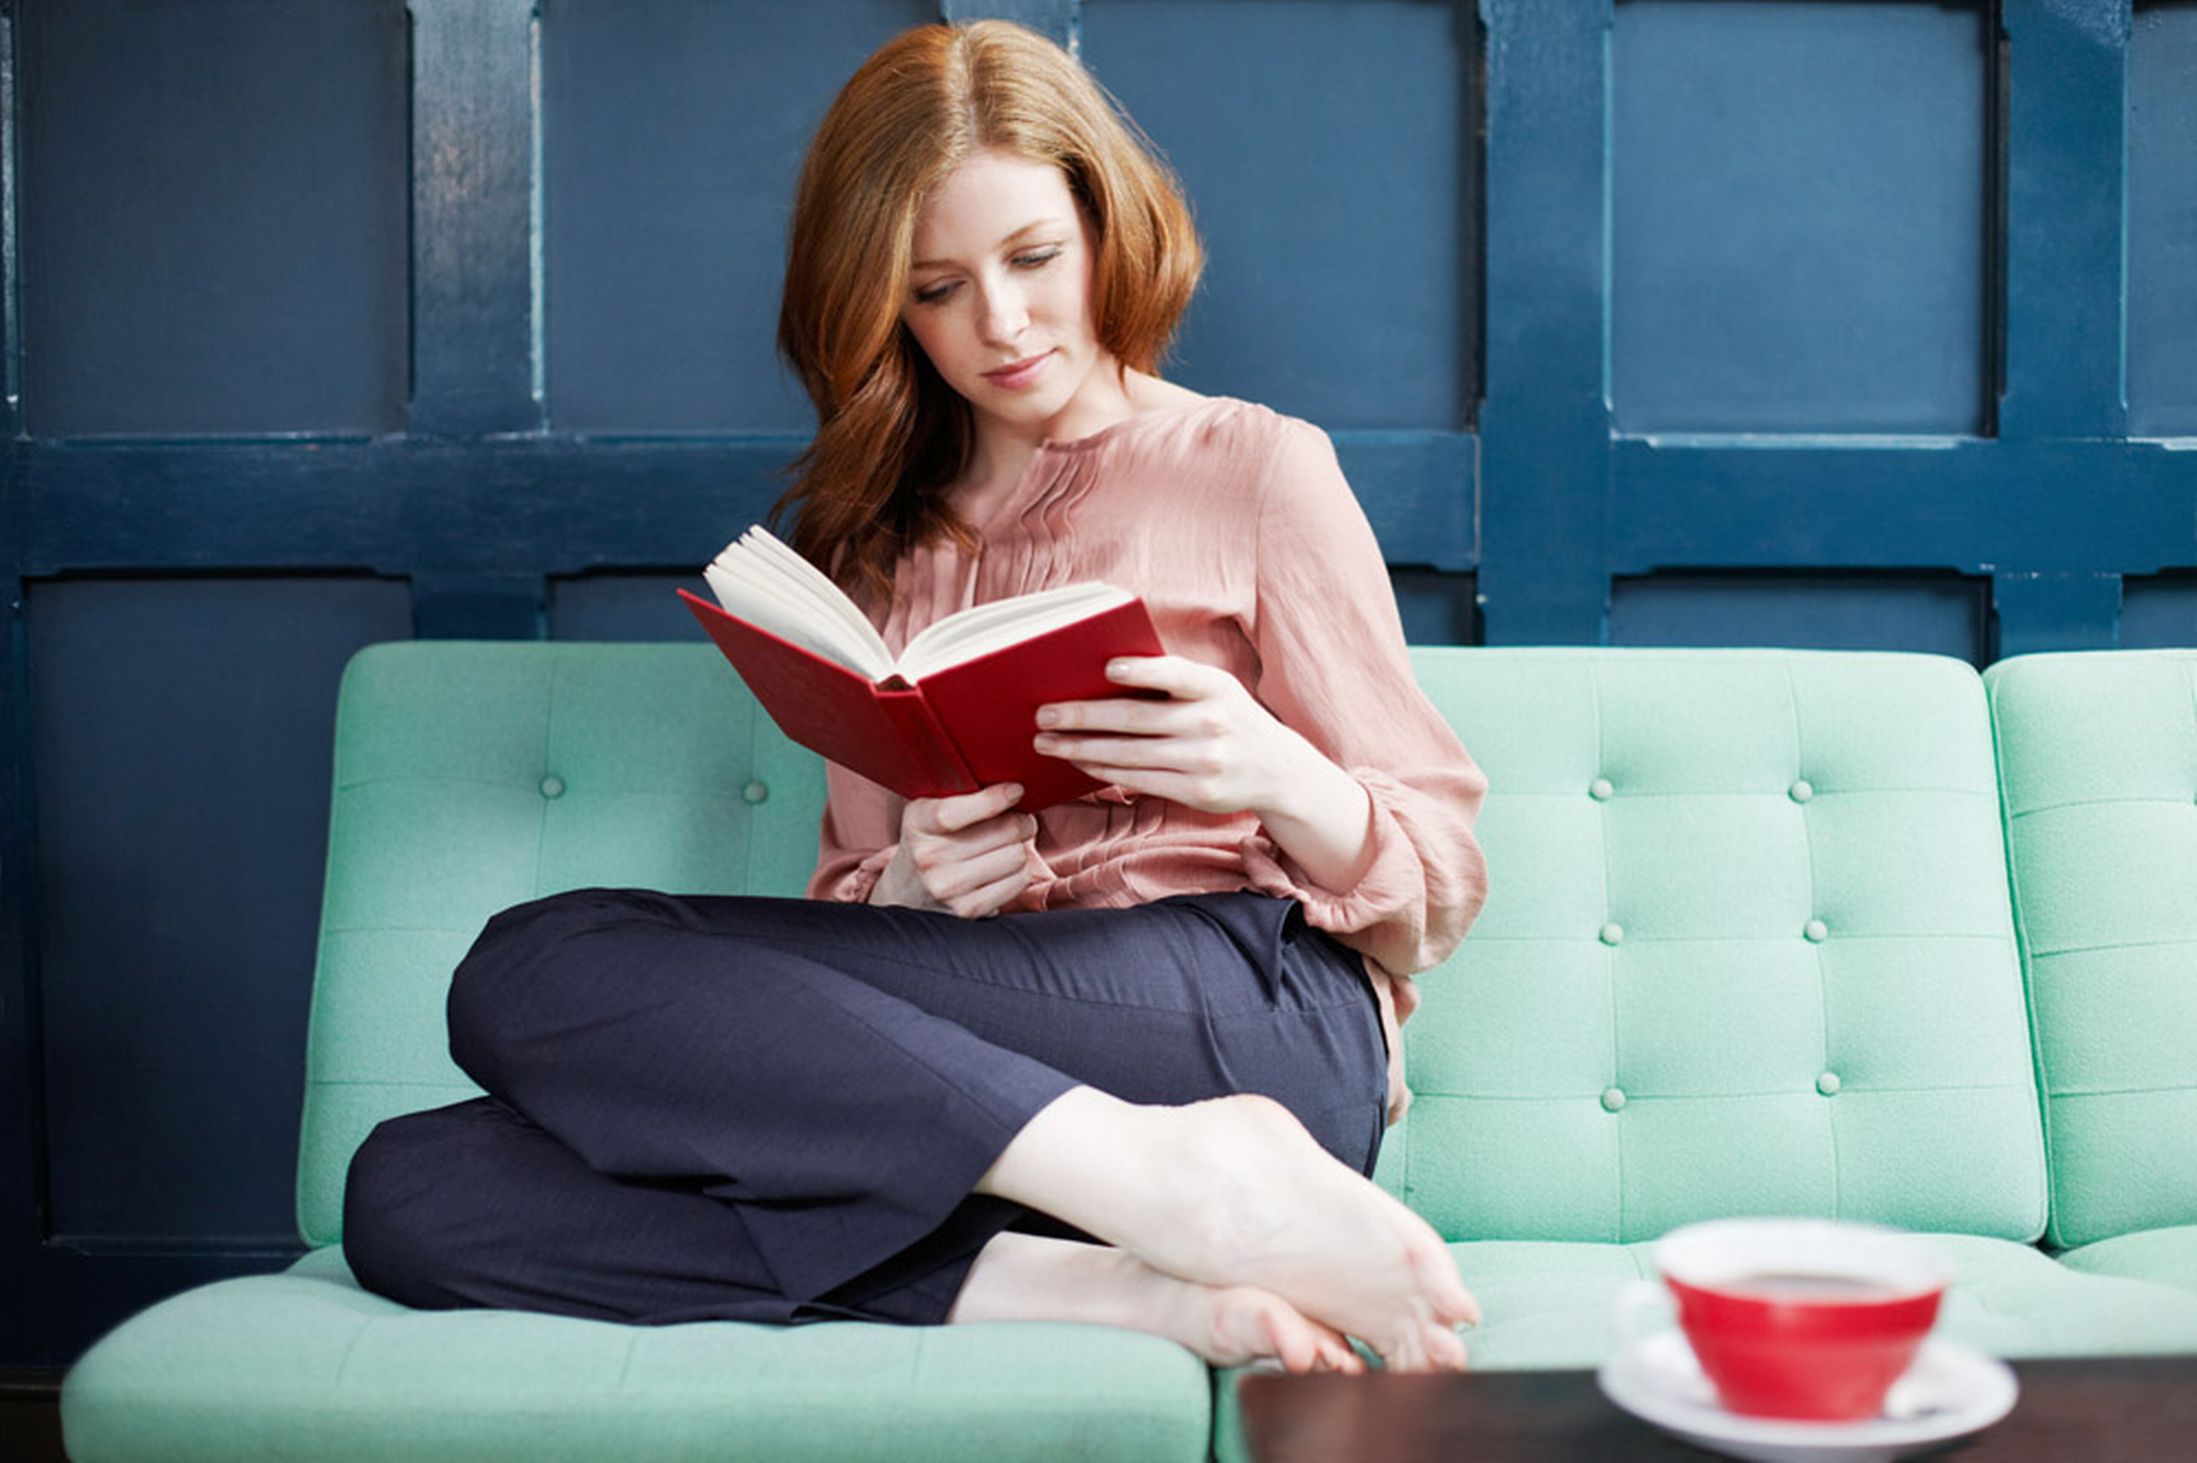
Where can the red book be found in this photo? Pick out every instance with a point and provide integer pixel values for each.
(956, 711)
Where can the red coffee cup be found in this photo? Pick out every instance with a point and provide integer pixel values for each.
(1801, 1318)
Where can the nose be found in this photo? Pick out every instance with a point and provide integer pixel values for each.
(1006, 313)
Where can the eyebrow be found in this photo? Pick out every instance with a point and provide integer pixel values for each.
(1028, 228)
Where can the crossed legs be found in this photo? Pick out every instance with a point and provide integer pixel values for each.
(775, 1110)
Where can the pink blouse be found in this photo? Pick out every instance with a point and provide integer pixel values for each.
(1236, 525)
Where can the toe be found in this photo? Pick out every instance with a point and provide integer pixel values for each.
(1294, 1346)
(1445, 1349)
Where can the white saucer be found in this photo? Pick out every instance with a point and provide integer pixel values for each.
(1949, 1391)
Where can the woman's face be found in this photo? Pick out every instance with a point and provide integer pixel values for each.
(1002, 278)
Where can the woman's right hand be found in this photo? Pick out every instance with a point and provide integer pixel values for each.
(968, 855)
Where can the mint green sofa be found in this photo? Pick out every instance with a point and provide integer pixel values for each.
(1772, 932)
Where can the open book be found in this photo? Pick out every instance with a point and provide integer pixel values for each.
(955, 710)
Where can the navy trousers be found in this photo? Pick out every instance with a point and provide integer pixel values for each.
(775, 1109)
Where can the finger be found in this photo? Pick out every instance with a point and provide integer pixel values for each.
(991, 898)
(991, 833)
(951, 815)
(1160, 754)
(952, 878)
(1173, 674)
(1118, 714)
(1151, 782)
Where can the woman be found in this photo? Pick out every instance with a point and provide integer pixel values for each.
(1124, 1060)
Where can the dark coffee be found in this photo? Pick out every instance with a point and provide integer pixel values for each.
(1802, 1285)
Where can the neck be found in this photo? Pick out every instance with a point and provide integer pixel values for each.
(1004, 449)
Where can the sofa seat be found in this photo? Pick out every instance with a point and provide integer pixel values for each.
(1549, 1303)
(306, 1364)
(2167, 1255)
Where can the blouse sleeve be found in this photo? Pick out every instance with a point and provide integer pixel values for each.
(859, 836)
(1332, 666)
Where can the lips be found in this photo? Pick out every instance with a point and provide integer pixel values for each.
(1019, 372)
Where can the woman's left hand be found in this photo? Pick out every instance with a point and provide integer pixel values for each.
(1209, 746)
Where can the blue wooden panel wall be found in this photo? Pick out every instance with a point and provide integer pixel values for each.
(1824, 322)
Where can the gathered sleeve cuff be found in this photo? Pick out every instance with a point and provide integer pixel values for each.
(1334, 668)
(852, 883)
(858, 837)
(1422, 885)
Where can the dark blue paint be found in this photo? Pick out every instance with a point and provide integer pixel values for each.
(1944, 614)
(1797, 217)
(673, 134)
(622, 607)
(534, 505)
(1544, 427)
(1327, 150)
(1055, 18)
(2162, 221)
(1437, 608)
(470, 604)
(183, 732)
(213, 219)
(2065, 180)
(11, 314)
(472, 210)
(2159, 610)
(2043, 610)
(24, 1328)
(1975, 507)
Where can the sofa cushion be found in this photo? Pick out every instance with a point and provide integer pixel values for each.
(1748, 950)
(2098, 755)
(306, 1365)
(2168, 1256)
(470, 777)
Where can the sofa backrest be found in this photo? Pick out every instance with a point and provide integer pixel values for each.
(1748, 950)
(2098, 762)
(470, 777)
(1749, 947)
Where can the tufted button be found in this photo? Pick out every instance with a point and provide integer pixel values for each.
(1801, 791)
(1613, 1098)
(1613, 933)
(1816, 931)
(754, 792)
(1827, 1084)
(553, 786)
(1601, 790)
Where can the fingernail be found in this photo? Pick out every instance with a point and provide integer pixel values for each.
(1047, 716)
(1045, 742)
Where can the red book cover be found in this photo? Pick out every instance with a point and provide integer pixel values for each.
(964, 727)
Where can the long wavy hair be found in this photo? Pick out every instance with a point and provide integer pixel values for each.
(890, 432)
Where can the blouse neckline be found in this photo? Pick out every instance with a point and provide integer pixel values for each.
(1033, 478)
(1107, 433)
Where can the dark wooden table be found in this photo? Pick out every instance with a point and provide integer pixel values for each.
(2093, 1410)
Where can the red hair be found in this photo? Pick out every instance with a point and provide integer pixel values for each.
(890, 432)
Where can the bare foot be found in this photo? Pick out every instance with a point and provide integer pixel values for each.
(1234, 1192)
(1022, 1277)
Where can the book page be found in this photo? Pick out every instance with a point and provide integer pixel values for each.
(981, 629)
(763, 581)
